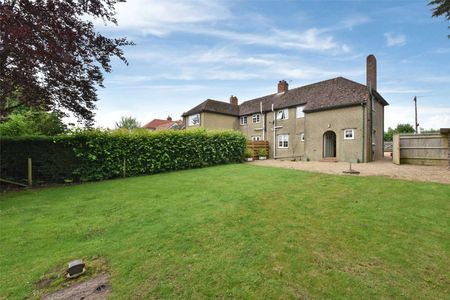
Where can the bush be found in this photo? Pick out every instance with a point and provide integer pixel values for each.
(262, 152)
(248, 153)
(97, 155)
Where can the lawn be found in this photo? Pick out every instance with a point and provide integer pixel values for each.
(235, 231)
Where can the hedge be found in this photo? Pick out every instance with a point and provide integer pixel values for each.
(98, 155)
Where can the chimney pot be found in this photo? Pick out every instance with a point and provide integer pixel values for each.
(371, 71)
(169, 118)
(283, 86)
(233, 100)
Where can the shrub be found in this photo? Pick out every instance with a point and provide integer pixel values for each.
(248, 153)
(97, 155)
(262, 152)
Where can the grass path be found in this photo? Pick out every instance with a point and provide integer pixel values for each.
(235, 231)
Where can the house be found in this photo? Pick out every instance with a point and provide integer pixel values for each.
(159, 124)
(332, 120)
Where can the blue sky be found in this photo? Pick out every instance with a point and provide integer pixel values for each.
(190, 50)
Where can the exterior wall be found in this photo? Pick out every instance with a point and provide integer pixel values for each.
(376, 145)
(218, 121)
(253, 129)
(214, 121)
(292, 126)
(336, 120)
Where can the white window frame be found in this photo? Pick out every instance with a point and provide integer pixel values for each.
(300, 113)
(352, 137)
(192, 118)
(256, 138)
(283, 141)
(302, 137)
(256, 118)
(283, 114)
(243, 120)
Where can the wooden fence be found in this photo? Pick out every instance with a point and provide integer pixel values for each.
(421, 149)
(254, 146)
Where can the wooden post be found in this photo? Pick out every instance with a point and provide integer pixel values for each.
(30, 172)
(396, 149)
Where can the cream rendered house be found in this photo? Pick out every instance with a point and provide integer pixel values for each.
(332, 120)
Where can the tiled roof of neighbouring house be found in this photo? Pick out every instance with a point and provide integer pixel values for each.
(162, 124)
(323, 95)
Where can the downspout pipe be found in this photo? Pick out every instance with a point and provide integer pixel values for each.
(263, 120)
(363, 154)
(274, 135)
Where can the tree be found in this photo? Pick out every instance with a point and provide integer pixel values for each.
(32, 122)
(441, 8)
(401, 128)
(51, 58)
(128, 123)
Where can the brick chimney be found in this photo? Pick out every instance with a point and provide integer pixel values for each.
(283, 86)
(233, 100)
(371, 71)
(169, 118)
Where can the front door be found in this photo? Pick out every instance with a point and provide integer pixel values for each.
(329, 144)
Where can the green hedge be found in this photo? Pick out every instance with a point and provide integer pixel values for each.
(97, 155)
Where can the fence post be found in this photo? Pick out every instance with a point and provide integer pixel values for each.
(396, 149)
(30, 172)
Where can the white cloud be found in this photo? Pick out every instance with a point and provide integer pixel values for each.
(428, 117)
(395, 40)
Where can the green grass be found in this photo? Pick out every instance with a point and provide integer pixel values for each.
(235, 231)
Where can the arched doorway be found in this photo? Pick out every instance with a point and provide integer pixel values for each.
(329, 144)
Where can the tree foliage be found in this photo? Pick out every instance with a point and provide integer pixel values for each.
(441, 8)
(128, 123)
(401, 128)
(51, 58)
(32, 122)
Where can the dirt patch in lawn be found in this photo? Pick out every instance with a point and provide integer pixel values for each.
(93, 284)
(94, 289)
(377, 168)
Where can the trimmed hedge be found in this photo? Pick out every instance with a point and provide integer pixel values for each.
(97, 155)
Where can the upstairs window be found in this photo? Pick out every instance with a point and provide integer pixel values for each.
(283, 141)
(194, 120)
(349, 134)
(300, 113)
(302, 137)
(256, 138)
(243, 120)
(282, 114)
(256, 118)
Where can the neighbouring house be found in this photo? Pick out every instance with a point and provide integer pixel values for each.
(159, 124)
(332, 120)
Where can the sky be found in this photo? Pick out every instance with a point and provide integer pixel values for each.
(190, 50)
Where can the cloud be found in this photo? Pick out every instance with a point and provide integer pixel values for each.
(395, 40)
(160, 17)
(428, 117)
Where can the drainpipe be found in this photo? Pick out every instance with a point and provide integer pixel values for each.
(363, 155)
(274, 135)
(263, 121)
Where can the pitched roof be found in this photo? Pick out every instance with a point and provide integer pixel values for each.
(214, 106)
(327, 94)
(162, 124)
(323, 95)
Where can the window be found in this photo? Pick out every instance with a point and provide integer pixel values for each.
(302, 137)
(283, 141)
(194, 120)
(282, 114)
(349, 134)
(243, 120)
(374, 136)
(256, 118)
(256, 138)
(300, 113)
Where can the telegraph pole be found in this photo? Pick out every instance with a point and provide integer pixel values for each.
(415, 109)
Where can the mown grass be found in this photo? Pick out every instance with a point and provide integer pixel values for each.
(235, 231)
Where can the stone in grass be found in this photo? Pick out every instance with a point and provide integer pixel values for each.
(76, 268)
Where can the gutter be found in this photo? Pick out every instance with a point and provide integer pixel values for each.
(363, 155)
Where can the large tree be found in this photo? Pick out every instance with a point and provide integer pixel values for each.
(401, 128)
(441, 8)
(128, 123)
(51, 57)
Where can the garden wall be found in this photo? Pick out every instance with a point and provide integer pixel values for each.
(98, 155)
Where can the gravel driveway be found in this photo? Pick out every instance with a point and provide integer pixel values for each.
(377, 168)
